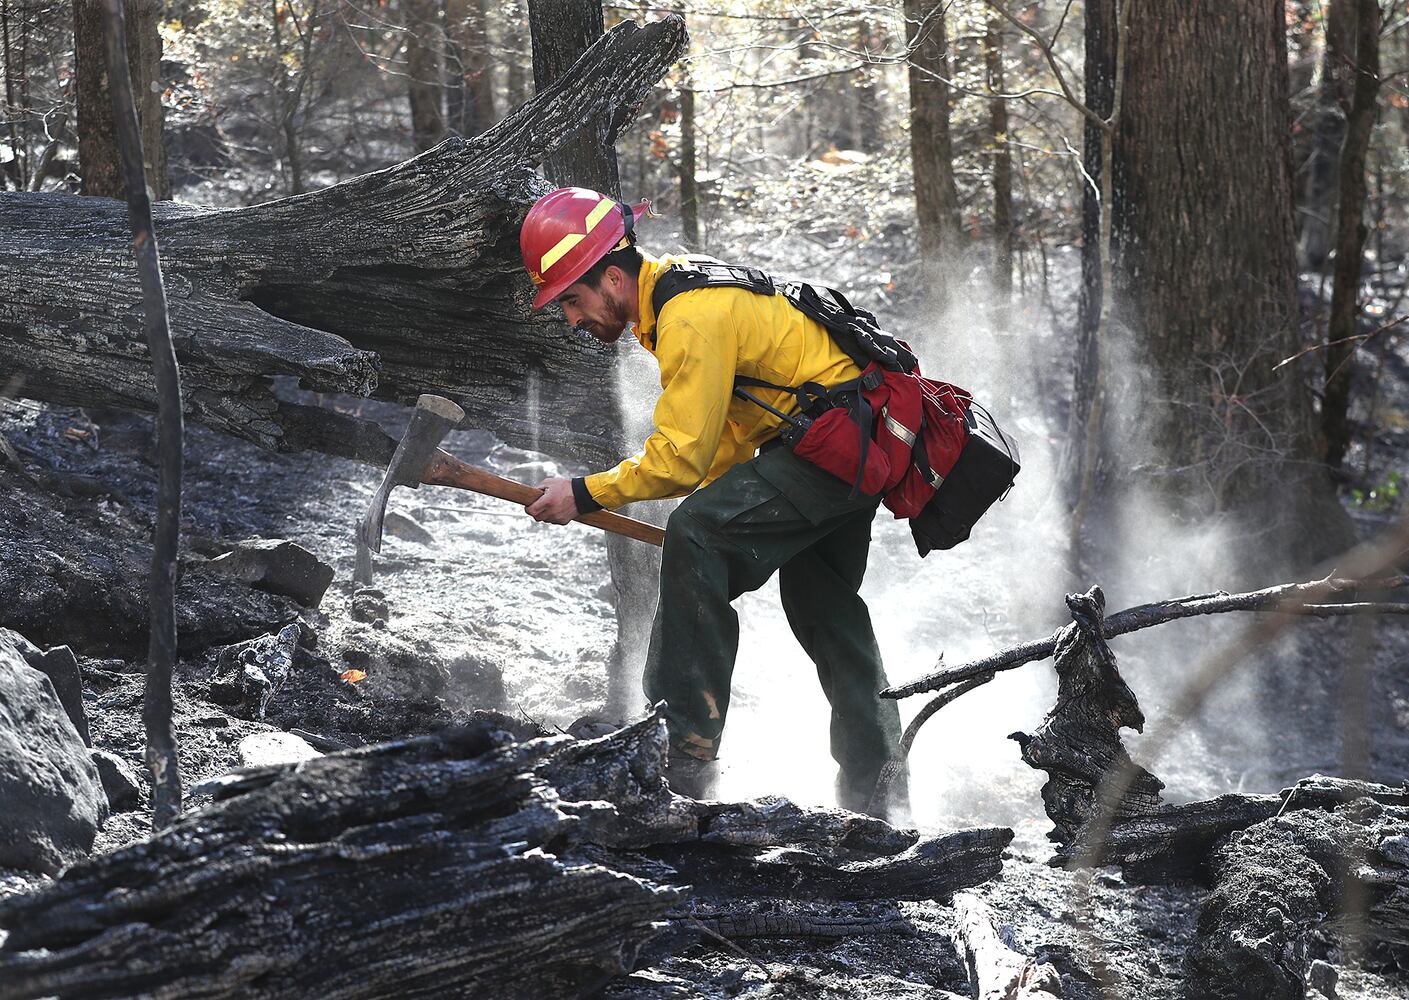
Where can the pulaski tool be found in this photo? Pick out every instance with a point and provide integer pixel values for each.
(419, 459)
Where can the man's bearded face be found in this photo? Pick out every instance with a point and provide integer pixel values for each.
(601, 310)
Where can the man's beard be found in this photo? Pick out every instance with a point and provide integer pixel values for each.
(610, 331)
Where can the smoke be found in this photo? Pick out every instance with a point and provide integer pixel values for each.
(1006, 585)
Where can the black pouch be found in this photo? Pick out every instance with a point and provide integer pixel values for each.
(982, 476)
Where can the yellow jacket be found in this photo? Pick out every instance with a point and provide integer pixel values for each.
(709, 335)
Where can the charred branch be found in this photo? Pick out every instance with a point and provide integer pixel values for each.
(996, 970)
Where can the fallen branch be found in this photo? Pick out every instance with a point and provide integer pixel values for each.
(1280, 599)
(997, 971)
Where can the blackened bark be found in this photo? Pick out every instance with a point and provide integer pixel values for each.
(1206, 273)
(931, 151)
(99, 161)
(166, 538)
(689, 190)
(1350, 231)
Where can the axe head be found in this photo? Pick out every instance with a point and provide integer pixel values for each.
(433, 419)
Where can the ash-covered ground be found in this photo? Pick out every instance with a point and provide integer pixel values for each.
(487, 609)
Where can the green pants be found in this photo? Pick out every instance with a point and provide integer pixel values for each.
(774, 513)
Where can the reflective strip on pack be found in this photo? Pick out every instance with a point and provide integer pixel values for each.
(897, 428)
(559, 249)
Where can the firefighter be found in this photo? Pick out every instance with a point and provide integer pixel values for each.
(751, 506)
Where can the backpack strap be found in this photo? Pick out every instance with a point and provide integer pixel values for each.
(699, 271)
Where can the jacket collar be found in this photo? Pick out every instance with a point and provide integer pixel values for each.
(645, 328)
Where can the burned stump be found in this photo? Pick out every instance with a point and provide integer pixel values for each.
(1078, 743)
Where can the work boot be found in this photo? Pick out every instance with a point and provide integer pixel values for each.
(690, 776)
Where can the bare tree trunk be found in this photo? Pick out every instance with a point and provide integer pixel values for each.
(161, 654)
(1350, 232)
(562, 30)
(1337, 82)
(98, 157)
(515, 80)
(423, 36)
(1203, 148)
(868, 104)
(1002, 168)
(689, 191)
(931, 153)
(469, 86)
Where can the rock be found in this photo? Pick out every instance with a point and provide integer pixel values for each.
(120, 781)
(411, 673)
(261, 749)
(369, 604)
(53, 797)
(1322, 978)
(75, 573)
(61, 667)
(278, 566)
(478, 682)
(407, 528)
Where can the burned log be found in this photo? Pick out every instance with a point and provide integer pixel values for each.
(422, 868)
(1078, 743)
(457, 864)
(1287, 880)
(403, 281)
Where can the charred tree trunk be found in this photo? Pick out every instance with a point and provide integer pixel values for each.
(562, 30)
(931, 152)
(1350, 231)
(1204, 161)
(1078, 743)
(166, 538)
(1099, 75)
(868, 104)
(418, 263)
(689, 190)
(99, 161)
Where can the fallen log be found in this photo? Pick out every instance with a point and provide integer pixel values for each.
(457, 864)
(1284, 881)
(402, 281)
(428, 867)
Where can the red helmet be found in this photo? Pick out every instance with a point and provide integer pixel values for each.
(567, 231)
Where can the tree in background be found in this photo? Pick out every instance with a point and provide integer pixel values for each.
(423, 71)
(1350, 228)
(99, 162)
(931, 151)
(1206, 271)
(469, 84)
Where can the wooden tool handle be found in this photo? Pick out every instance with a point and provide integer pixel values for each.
(447, 470)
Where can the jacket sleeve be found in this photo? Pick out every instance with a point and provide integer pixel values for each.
(697, 361)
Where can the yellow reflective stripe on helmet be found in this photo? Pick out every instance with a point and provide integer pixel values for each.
(594, 217)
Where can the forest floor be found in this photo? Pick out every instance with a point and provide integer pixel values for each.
(487, 609)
